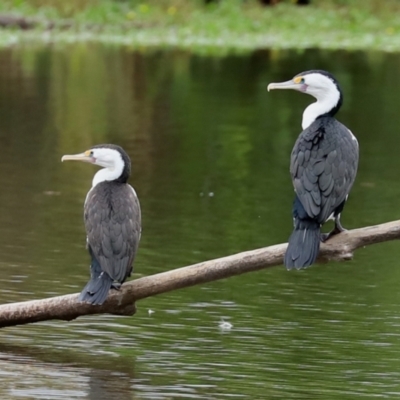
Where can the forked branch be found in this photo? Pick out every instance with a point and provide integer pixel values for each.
(122, 302)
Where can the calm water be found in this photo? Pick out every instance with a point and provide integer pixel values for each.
(210, 148)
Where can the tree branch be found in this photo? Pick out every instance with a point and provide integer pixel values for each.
(122, 302)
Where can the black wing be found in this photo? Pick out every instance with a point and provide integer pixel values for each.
(113, 227)
(323, 167)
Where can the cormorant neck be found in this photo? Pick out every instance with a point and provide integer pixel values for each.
(116, 173)
(324, 106)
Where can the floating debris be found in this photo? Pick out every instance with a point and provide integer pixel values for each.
(225, 325)
(51, 193)
(150, 311)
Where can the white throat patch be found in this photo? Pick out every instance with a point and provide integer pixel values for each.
(326, 93)
(112, 163)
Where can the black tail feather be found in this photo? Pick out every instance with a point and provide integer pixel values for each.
(304, 242)
(96, 290)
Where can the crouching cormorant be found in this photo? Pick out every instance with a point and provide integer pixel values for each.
(112, 220)
(323, 166)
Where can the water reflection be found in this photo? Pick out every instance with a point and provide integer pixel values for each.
(210, 150)
(38, 378)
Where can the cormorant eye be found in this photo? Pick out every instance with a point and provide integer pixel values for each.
(91, 153)
(298, 80)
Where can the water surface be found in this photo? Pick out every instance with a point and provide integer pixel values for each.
(210, 150)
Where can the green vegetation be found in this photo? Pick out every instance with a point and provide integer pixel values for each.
(223, 26)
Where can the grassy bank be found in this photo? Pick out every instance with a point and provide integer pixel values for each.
(229, 25)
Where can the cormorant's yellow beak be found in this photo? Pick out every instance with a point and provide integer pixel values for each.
(87, 156)
(285, 85)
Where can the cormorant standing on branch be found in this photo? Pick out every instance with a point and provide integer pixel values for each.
(323, 166)
(112, 220)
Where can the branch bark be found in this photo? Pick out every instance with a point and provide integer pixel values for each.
(122, 302)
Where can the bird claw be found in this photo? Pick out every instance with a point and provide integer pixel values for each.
(335, 231)
(116, 286)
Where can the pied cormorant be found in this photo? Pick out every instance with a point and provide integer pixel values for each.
(323, 166)
(112, 221)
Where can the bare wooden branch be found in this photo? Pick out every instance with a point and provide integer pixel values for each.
(122, 302)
